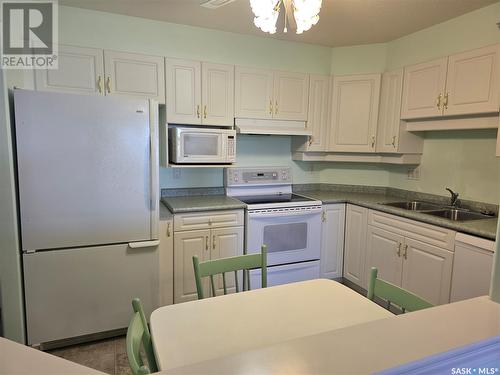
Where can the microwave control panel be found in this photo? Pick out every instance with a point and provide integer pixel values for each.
(258, 176)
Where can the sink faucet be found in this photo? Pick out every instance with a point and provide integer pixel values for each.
(454, 197)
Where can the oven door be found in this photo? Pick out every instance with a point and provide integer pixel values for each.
(202, 147)
(291, 234)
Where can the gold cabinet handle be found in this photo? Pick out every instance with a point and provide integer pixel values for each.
(323, 216)
(213, 242)
(198, 111)
(373, 141)
(399, 249)
(438, 101)
(405, 253)
(393, 143)
(205, 111)
(445, 101)
(310, 140)
(108, 85)
(168, 230)
(276, 108)
(99, 84)
(206, 243)
(271, 107)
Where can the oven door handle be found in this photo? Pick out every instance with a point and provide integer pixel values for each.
(312, 212)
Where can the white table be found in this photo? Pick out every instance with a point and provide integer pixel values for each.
(19, 359)
(368, 347)
(196, 331)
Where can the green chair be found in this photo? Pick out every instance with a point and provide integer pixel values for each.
(137, 333)
(243, 263)
(394, 295)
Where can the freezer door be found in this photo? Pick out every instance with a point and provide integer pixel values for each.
(86, 168)
(82, 291)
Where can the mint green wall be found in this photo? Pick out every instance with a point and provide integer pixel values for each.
(10, 264)
(462, 160)
(371, 58)
(124, 33)
(472, 30)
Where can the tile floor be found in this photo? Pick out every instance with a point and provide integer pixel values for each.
(109, 356)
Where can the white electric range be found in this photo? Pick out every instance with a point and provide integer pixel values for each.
(287, 223)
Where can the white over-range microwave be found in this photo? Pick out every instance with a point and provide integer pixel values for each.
(202, 146)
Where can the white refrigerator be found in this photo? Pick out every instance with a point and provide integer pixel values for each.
(87, 169)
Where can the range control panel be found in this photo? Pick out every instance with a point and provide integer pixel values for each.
(257, 176)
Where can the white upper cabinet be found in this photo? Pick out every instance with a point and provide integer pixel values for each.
(317, 121)
(183, 91)
(131, 74)
(423, 89)
(472, 84)
(80, 71)
(199, 93)
(217, 95)
(355, 101)
(266, 94)
(94, 71)
(254, 93)
(291, 96)
(461, 84)
(389, 115)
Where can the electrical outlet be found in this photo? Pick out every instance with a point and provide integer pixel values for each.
(414, 174)
(177, 173)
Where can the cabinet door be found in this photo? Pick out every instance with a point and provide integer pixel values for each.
(217, 94)
(166, 262)
(135, 75)
(355, 244)
(389, 115)
(332, 240)
(383, 251)
(423, 89)
(427, 271)
(186, 245)
(183, 91)
(227, 242)
(317, 114)
(291, 96)
(354, 109)
(80, 71)
(472, 83)
(253, 93)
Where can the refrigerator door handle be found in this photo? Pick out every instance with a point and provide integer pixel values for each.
(141, 244)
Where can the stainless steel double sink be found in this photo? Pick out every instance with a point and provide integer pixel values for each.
(450, 213)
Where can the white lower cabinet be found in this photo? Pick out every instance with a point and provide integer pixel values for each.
(206, 244)
(406, 255)
(427, 271)
(332, 240)
(384, 253)
(355, 244)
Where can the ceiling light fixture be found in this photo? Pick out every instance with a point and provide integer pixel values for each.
(305, 14)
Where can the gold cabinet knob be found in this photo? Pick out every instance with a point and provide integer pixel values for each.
(198, 111)
(373, 141)
(393, 143)
(270, 107)
(205, 111)
(445, 101)
(108, 85)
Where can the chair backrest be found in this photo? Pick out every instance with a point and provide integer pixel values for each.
(242, 263)
(137, 334)
(393, 294)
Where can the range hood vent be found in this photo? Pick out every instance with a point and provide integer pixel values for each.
(271, 127)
